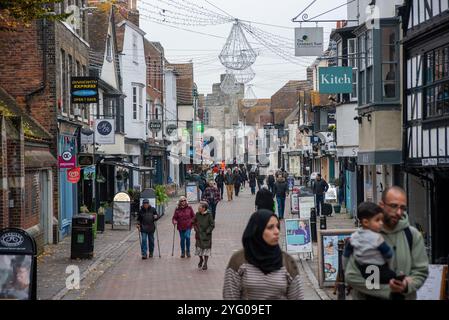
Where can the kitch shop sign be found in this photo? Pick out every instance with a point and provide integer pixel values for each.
(84, 90)
(334, 80)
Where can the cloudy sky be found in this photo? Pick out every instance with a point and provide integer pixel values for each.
(205, 43)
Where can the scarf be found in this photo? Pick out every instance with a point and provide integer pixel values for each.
(257, 252)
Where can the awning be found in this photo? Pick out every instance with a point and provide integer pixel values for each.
(39, 159)
(128, 165)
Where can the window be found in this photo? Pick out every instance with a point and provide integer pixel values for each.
(63, 84)
(135, 48)
(206, 117)
(109, 49)
(140, 103)
(437, 83)
(369, 85)
(352, 62)
(157, 114)
(135, 103)
(369, 48)
(70, 74)
(362, 51)
(389, 62)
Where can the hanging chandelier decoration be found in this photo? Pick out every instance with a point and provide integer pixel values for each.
(229, 84)
(250, 99)
(243, 76)
(237, 53)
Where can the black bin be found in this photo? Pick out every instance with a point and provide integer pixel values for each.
(82, 237)
(313, 224)
(323, 223)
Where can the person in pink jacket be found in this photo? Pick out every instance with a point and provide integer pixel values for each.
(183, 217)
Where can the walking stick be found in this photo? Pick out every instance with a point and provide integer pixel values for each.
(173, 246)
(157, 235)
(140, 239)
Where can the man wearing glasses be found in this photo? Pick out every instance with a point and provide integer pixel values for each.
(409, 258)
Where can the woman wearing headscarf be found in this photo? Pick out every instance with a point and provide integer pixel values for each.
(246, 275)
(264, 199)
(183, 217)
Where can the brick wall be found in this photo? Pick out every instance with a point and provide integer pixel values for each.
(16, 175)
(4, 212)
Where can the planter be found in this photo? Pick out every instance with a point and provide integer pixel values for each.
(337, 208)
(100, 222)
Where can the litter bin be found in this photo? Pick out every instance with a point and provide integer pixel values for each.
(82, 237)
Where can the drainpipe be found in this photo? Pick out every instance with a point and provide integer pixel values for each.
(28, 97)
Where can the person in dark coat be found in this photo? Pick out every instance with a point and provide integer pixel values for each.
(212, 196)
(237, 181)
(229, 182)
(319, 189)
(270, 182)
(146, 225)
(244, 176)
(220, 179)
(264, 199)
(252, 181)
(281, 192)
(203, 224)
(260, 179)
(183, 217)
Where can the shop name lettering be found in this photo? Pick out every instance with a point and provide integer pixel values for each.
(85, 85)
(333, 79)
(301, 43)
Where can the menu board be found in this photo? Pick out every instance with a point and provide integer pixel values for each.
(121, 213)
(434, 286)
(305, 206)
(192, 193)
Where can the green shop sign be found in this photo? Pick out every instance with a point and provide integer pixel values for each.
(335, 80)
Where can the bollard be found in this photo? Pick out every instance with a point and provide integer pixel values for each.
(323, 223)
(313, 224)
(341, 275)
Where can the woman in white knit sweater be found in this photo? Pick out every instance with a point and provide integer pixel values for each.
(261, 271)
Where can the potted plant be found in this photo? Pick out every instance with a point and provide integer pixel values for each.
(161, 198)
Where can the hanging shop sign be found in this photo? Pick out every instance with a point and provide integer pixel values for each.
(308, 42)
(74, 175)
(105, 131)
(335, 80)
(87, 137)
(170, 129)
(67, 159)
(84, 90)
(89, 173)
(155, 125)
(85, 160)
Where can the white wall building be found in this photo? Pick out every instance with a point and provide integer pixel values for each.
(133, 70)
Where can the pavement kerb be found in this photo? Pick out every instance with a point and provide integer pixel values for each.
(313, 280)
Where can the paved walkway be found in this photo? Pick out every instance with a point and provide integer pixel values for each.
(175, 278)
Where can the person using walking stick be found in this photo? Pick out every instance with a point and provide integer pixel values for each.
(146, 219)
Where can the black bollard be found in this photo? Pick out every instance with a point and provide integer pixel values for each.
(341, 289)
(323, 223)
(313, 224)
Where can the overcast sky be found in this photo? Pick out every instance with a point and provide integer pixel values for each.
(272, 71)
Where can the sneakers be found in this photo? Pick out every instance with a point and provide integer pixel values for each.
(151, 255)
(144, 257)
